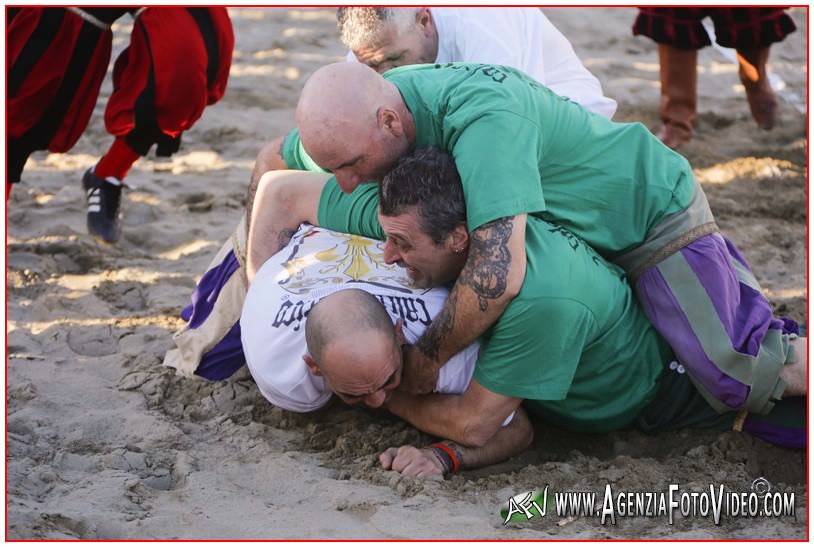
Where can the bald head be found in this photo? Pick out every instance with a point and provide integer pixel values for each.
(338, 99)
(351, 324)
(348, 110)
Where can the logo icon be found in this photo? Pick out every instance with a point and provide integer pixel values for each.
(761, 486)
(525, 506)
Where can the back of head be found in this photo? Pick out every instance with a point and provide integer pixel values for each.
(348, 318)
(426, 179)
(363, 27)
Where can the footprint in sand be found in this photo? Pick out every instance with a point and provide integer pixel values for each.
(198, 202)
(70, 254)
(129, 295)
(93, 341)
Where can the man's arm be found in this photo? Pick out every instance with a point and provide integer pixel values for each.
(425, 462)
(284, 200)
(491, 278)
(471, 418)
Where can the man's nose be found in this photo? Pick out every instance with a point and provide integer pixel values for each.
(391, 253)
(375, 399)
(347, 181)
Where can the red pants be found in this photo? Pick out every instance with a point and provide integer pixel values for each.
(177, 63)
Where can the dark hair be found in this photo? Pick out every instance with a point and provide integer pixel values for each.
(428, 180)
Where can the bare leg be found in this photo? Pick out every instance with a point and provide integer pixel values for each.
(270, 158)
(677, 69)
(755, 79)
(795, 374)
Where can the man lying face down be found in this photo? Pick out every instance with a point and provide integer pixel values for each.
(574, 344)
(355, 311)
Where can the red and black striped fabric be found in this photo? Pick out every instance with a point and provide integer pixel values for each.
(177, 63)
(56, 63)
(739, 28)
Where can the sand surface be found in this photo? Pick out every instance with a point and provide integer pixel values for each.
(104, 442)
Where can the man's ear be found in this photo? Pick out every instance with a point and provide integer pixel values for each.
(459, 238)
(399, 327)
(423, 18)
(389, 121)
(313, 368)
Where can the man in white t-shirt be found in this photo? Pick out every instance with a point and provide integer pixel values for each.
(521, 38)
(336, 291)
(315, 264)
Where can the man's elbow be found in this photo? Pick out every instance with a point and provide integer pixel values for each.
(476, 433)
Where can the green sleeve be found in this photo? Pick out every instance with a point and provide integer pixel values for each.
(295, 156)
(355, 213)
(497, 158)
(533, 350)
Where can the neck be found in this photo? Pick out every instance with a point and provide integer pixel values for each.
(408, 122)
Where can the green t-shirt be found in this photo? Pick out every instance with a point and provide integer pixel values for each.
(520, 148)
(574, 343)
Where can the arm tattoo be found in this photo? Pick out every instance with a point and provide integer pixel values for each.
(487, 270)
(486, 276)
(441, 326)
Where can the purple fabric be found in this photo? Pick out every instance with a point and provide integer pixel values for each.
(224, 359)
(790, 326)
(789, 437)
(207, 291)
(664, 311)
(744, 312)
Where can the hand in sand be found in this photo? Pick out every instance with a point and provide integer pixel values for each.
(413, 462)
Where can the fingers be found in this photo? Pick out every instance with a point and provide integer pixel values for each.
(386, 458)
(412, 462)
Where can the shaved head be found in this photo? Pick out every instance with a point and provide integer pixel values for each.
(348, 318)
(355, 346)
(353, 122)
(331, 104)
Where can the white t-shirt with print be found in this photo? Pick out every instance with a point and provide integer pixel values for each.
(521, 38)
(316, 263)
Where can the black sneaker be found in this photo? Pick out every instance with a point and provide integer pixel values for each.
(104, 198)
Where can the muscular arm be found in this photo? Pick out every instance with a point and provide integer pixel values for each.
(471, 418)
(283, 201)
(491, 278)
(505, 443)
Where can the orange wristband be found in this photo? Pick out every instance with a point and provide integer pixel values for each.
(456, 463)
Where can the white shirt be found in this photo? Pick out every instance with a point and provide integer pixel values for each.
(521, 38)
(316, 263)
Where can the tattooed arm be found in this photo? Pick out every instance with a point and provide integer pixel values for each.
(491, 278)
(283, 201)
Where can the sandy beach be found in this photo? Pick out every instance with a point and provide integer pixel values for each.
(104, 442)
